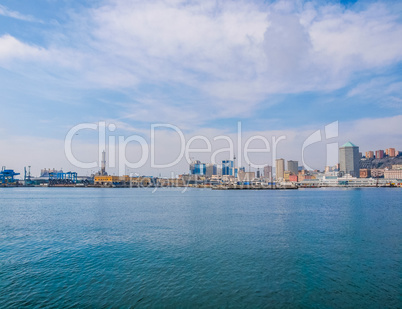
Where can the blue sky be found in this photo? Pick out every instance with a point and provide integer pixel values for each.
(201, 65)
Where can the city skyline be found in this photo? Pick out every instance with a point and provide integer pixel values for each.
(201, 66)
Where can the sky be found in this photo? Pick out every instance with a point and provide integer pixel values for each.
(280, 68)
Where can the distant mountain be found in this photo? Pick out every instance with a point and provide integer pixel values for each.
(380, 163)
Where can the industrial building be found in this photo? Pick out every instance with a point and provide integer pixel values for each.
(125, 181)
(7, 177)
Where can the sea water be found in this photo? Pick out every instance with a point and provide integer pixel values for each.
(92, 247)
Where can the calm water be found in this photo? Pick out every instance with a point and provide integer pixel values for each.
(316, 248)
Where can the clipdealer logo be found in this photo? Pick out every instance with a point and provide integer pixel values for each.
(118, 144)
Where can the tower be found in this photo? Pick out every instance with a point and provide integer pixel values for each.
(293, 167)
(280, 169)
(103, 164)
(349, 159)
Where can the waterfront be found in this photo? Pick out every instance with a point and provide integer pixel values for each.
(66, 247)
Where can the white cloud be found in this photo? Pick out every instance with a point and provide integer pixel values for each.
(11, 48)
(384, 90)
(353, 41)
(14, 14)
(222, 48)
(374, 133)
(233, 54)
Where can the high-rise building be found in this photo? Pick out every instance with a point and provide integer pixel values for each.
(211, 169)
(268, 172)
(349, 159)
(379, 154)
(227, 167)
(390, 152)
(279, 169)
(293, 167)
(197, 168)
(369, 154)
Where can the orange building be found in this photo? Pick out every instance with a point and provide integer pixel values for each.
(369, 154)
(390, 152)
(293, 178)
(365, 173)
(379, 154)
(106, 180)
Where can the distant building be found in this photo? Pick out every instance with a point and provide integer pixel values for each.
(365, 173)
(397, 167)
(390, 152)
(46, 172)
(293, 178)
(377, 172)
(305, 175)
(293, 167)
(379, 154)
(280, 168)
(393, 174)
(268, 172)
(246, 176)
(349, 159)
(330, 169)
(211, 169)
(286, 175)
(235, 171)
(370, 154)
(227, 167)
(198, 168)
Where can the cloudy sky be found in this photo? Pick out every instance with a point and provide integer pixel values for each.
(281, 68)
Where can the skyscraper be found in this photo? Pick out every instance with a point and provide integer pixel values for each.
(227, 167)
(280, 169)
(197, 168)
(211, 169)
(349, 159)
(293, 167)
(268, 172)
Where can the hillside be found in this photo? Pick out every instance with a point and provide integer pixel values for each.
(380, 163)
